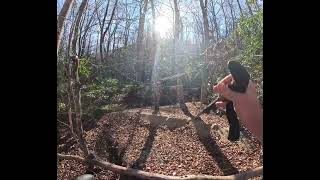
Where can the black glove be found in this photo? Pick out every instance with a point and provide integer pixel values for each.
(240, 83)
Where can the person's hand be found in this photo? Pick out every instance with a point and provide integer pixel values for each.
(246, 104)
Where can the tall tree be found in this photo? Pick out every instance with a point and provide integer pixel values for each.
(178, 27)
(75, 82)
(231, 13)
(215, 23)
(249, 8)
(240, 8)
(61, 18)
(112, 35)
(204, 84)
(140, 62)
(104, 31)
(225, 18)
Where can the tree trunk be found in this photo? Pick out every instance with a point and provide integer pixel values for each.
(114, 43)
(69, 95)
(76, 92)
(111, 34)
(257, 5)
(101, 32)
(108, 26)
(140, 62)
(97, 45)
(177, 50)
(61, 18)
(225, 19)
(76, 27)
(249, 8)
(216, 27)
(81, 31)
(154, 73)
(127, 26)
(240, 8)
(108, 45)
(89, 47)
(204, 74)
(83, 39)
(232, 16)
(70, 35)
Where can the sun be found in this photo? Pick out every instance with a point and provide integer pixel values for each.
(162, 26)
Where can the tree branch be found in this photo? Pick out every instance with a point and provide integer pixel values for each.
(155, 176)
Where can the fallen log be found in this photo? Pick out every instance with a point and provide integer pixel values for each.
(155, 176)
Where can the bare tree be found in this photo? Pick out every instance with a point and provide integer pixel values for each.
(204, 74)
(89, 47)
(112, 35)
(240, 8)
(61, 18)
(225, 18)
(249, 8)
(84, 31)
(215, 23)
(140, 64)
(178, 27)
(231, 13)
(156, 88)
(102, 24)
(75, 82)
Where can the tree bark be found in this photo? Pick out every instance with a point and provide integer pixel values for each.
(114, 43)
(156, 88)
(140, 62)
(61, 18)
(71, 33)
(83, 39)
(81, 27)
(204, 73)
(75, 82)
(101, 31)
(89, 47)
(104, 32)
(177, 50)
(127, 24)
(76, 27)
(76, 94)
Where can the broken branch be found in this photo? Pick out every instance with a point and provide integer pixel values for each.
(155, 176)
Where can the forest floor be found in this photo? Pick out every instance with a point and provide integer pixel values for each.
(169, 143)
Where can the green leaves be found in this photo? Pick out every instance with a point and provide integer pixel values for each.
(105, 89)
(250, 31)
(85, 68)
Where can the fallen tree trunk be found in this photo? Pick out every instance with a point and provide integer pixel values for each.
(155, 176)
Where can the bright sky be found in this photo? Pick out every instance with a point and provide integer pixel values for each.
(164, 15)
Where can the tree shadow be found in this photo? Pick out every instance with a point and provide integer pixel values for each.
(203, 131)
(139, 164)
(156, 122)
(107, 148)
(145, 152)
